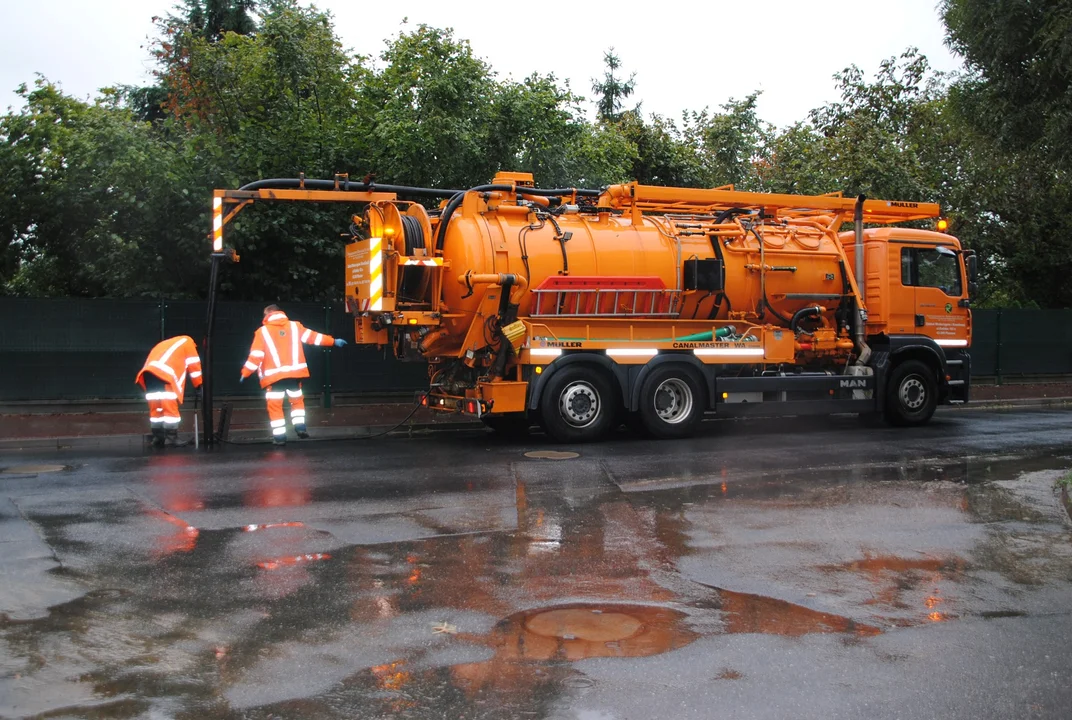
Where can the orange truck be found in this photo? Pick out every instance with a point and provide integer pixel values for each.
(581, 310)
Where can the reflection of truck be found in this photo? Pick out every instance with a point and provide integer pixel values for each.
(652, 305)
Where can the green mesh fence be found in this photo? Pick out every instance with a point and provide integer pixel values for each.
(79, 349)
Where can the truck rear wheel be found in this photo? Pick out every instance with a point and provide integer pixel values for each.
(577, 405)
(671, 402)
(911, 394)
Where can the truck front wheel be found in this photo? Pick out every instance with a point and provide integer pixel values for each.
(671, 402)
(911, 394)
(577, 405)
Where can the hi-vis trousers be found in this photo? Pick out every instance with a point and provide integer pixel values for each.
(163, 399)
(275, 393)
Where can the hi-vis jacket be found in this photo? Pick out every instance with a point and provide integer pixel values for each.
(277, 354)
(170, 361)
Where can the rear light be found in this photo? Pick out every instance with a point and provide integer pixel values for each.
(471, 407)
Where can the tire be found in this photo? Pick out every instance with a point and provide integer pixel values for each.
(508, 425)
(578, 404)
(671, 402)
(911, 394)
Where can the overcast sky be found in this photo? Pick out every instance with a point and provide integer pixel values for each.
(686, 55)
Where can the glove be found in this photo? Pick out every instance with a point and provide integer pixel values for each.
(340, 343)
(241, 378)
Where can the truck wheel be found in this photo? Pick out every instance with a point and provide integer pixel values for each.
(671, 402)
(510, 425)
(577, 405)
(911, 394)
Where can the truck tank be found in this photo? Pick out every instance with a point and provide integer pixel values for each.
(593, 260)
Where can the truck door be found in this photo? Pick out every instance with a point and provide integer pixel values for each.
(934, 273)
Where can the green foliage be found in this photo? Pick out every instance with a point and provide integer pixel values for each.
(94, 203)
(111, 198)
(611, 90)
(1015, 108)
(429, 111)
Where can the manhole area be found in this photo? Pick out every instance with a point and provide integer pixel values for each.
(581, 624)
(552, 455)
(578, 631)
(33, 469)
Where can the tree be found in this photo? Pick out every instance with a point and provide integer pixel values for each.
(429, 111)
(212, 19)
(94, 203)
(731, 145)
(1015, 105)
(612, 90)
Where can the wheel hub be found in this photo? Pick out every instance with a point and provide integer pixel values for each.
(579, 404)
(673, 401)
(913, 393)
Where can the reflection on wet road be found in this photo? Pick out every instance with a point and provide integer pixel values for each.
(762, 570)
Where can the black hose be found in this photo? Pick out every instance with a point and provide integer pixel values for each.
(346, 185)
(732, 212)
(765, 302)
(803, 313)
(414, 233)
(456, 200)
(456, 196)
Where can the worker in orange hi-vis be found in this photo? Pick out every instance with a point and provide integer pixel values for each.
(164, 379)
(279, 360)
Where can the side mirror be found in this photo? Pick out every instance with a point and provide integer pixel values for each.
(972, 263)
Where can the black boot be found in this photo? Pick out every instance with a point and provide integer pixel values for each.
(172, 435)
(158, 437)
(302, 432)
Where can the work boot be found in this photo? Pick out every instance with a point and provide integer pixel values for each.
(172, 435)
(158, 437)
(279, 440)
(302, 432)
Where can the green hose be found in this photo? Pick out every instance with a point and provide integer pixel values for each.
(695, 337)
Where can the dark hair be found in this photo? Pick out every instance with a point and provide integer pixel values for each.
(272, 309)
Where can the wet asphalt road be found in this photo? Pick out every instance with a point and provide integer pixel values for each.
(767, 569)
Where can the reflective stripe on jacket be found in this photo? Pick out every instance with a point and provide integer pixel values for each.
(171, 361)
(277, 353)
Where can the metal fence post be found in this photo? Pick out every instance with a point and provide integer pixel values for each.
(327, 361)
(997, 347)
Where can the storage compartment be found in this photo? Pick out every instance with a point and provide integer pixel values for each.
(706, 275)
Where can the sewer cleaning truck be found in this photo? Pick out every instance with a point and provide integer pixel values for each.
(651, 306)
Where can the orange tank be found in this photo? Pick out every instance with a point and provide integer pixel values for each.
(598, 261)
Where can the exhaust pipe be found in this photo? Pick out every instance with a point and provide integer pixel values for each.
(861, 313)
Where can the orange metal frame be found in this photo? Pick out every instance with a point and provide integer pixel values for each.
(226, 204)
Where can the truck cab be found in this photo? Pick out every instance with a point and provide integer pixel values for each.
(917, 288)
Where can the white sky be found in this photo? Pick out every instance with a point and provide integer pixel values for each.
(685, 55)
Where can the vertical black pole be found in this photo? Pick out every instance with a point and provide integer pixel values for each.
(206, 346)
(997, 350)
(327, 360)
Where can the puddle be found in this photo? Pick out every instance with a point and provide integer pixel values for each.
(746, 613)
(34, 469)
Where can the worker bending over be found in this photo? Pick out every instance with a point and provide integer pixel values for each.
(279, 360)
(164, 380)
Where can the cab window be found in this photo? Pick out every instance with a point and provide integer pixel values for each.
(931, 267)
